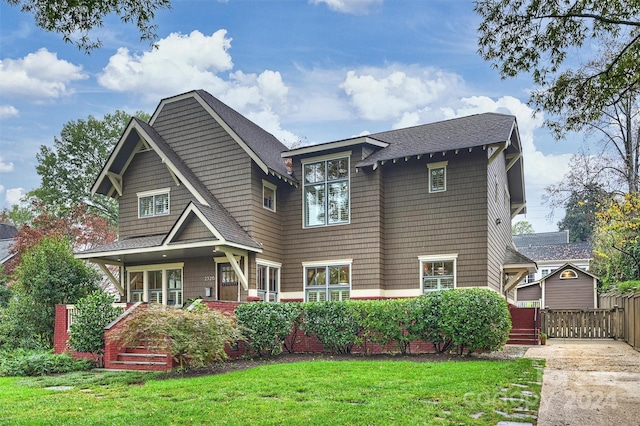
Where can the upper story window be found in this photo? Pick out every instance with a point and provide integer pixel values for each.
(438, 272)
(437, 176)
(268, 196)
(326, 190)
(153, 203)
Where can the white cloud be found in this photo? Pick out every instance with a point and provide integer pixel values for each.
(348, 6)
(389, 93)
(179, 64)
(1, 189)
(14, 195)
(7, 111)
(5, 167)
(40, 75)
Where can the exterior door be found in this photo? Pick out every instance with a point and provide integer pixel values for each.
(227, 282)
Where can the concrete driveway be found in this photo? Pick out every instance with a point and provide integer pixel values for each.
(588, 382)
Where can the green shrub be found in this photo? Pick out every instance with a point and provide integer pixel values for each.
(21, 362)
(388, 321)
(428, 324)
(94, 312)
(267, 325)
(195, 338)
(628, 286)
(335, 324)
(475, 319)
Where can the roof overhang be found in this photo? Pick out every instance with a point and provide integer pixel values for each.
(314, 149)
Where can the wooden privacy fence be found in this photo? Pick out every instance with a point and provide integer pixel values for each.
(582, 323)
(630, 306)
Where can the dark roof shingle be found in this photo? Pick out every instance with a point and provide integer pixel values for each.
(458, 133)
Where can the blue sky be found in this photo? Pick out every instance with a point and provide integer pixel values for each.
(307, 71)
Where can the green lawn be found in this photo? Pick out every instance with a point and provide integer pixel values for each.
(358, 392)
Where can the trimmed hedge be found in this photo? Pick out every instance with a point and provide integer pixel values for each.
(469, 319)
(267, 325)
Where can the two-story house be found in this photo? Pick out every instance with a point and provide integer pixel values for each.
(214, 207)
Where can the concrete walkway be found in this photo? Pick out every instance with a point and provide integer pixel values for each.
(588, 382)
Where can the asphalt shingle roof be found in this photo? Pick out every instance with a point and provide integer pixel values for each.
(266, 146)
(541, 239)
(7, 231)
(128, 244)
(514, 257)
(458, 133)
(567, 251)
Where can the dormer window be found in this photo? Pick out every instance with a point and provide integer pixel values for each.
(153, 203)
(326, 190)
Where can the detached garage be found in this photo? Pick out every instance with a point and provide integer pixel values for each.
(569, 287)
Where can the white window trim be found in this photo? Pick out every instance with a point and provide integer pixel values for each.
(438, 165)
(269, 264)
(272, 187)
(327, 157)
(441, 258)
(153, 193)
(165, 284)
(325, 263)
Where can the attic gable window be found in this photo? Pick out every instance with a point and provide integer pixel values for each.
(437, 176)
(568, 274)
(326, 190)
(153, 203)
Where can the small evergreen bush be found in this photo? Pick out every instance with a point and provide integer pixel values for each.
(388, 321)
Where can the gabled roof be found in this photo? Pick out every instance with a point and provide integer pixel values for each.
(559, 252)
(225, 231)
(7, 231)
(568, 266)
(263, 144)
(541, 239)
(459, 133)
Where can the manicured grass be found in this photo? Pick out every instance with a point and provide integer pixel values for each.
(316, 393)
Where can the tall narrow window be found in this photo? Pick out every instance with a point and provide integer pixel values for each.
(437, 176)
(330, 282)
(268, 281)
(155, 286)
(174, 287)
(136, 286)
(326, 192)
(268, 196)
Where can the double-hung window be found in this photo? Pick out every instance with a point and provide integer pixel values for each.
(438, 272)
(268, 281)
(437, 176)
(326, 191)
(327, 282)
(153, 203)
(268, 196)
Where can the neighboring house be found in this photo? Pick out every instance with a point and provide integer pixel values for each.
(7, 233)
(550, 251)
(568, 287)
(214, 207)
